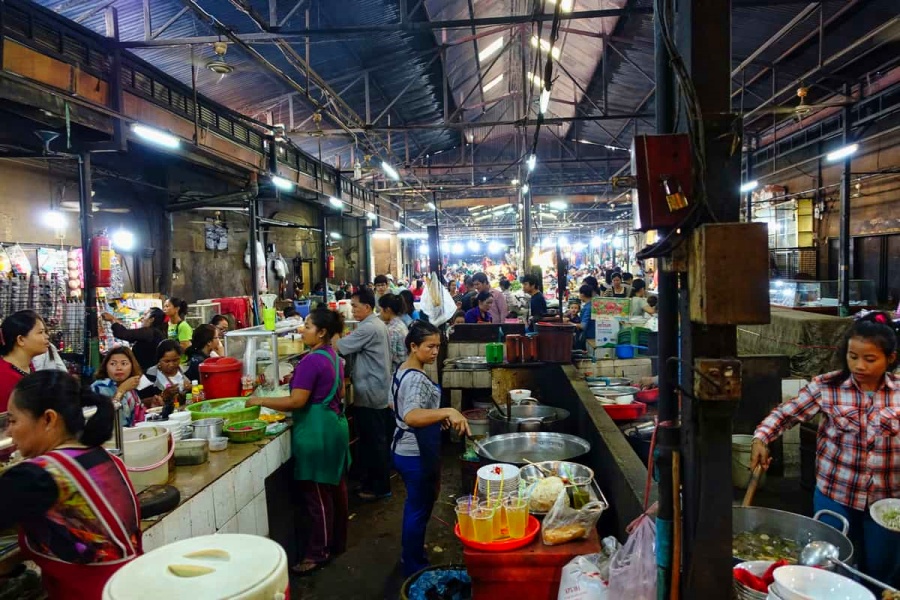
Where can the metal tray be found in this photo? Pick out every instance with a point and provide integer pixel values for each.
(467, 363)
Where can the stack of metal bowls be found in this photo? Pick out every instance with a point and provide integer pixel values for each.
(758, 568)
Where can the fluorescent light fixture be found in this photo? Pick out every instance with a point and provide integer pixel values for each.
(536, 80)
(486, 215)
(430, 206)
(160, 138)
(55, 219)
(123, 240)
(749, 186)
(335, 235)
(495, 247)
(618, 242)
(398, 225)
(547, 242)
(282, 184)
(491, 49)
(525, 188)
(390, 171)
(842, 153)
(371, 216)
(559, 205)
(381, 235)
(579, 246)
(596, 241)
(531, 162)
(513, 182)
(335, 202)
(545, 46)
(410, 235)
(562, 241)
(483, 179)
(565, 5)
(458, 248)
(423, 249)
(545, 100)
(473, 246)
(493, 82)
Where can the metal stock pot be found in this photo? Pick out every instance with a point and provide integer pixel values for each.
(526, 418)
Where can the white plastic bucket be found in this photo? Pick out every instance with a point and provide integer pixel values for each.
(740, 462)
(147, 454)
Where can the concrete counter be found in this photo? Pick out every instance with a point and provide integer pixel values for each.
(225, 495)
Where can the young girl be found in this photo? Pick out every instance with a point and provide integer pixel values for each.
(118, 378)
(176, 310)
(166, 374)
(417, 439)
(858, 445)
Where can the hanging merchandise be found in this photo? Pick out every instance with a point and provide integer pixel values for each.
(330, 266)
(75, 272)
(51, 260)
(20, 263)
(101, 259)
(5, 262)
(116, 287)
(261, 282)
(279, 265)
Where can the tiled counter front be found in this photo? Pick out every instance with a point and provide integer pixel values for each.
(225, 495)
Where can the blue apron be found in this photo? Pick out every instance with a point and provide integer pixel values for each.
(428, 438)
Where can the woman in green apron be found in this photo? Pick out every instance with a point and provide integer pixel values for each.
(320, 439)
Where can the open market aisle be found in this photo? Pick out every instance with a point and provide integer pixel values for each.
(369, 569)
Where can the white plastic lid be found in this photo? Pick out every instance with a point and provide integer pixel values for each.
(228, 566)
(194, 382)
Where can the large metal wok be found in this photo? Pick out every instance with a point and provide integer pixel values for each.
(791, 526)
(517, 448)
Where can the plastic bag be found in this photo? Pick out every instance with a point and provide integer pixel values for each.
(49, 361)
(632, 573)
(565, 524)
(437, 302)
(586, 577)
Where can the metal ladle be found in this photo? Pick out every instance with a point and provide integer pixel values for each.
(825, 554)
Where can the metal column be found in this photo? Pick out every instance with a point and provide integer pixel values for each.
(844, 233)
(526, 233)
(702, 33)
(254, 281)
(85, 218)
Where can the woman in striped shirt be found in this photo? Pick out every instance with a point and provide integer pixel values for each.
(858, 442)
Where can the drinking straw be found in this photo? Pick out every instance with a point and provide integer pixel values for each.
(474, 493)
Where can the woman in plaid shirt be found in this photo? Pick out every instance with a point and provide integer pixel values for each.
(858, 443)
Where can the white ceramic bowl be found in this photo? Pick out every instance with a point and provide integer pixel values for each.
(807, 583)
(217, 444)
(519, 395)
(758, 568)
(879, 507)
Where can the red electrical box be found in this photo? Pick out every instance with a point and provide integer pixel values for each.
(662, 167)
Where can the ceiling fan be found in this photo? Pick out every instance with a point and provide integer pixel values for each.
(802, 109)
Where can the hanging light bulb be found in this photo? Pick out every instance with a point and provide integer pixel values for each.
(531, 162)
(545, 100)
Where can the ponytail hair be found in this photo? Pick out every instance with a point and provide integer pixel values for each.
(876, 327)
(60, 392)
(17, 324)
(418, 331)
(181, 305)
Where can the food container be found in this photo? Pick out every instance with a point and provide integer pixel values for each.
(795, 582)
(625, 351)
(625, 412)
(146, 455)
(208, 428)
(515, 448)
(229, 565)
(211, 409)
(513, 348)
(191, 452)
(556, 341)
(529, 347)
(220, 377)
(246, 431)
(493, 353)
(802, 530)
(877, 510)
(518, 395)
(217, 444)
(527, 418)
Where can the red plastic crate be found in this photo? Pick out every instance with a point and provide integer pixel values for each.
(625, 412)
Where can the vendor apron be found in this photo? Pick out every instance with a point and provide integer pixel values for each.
(428, 438)
(70, 581)
(318, 455)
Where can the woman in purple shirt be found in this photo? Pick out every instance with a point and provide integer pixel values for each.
(320, 439)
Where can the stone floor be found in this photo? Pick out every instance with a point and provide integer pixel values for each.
(369, 570)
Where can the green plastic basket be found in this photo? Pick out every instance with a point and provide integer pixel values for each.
(230, 416)
(634, 336)
(237, 434)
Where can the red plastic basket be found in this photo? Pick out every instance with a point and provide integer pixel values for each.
(531, 531)
(625, 412)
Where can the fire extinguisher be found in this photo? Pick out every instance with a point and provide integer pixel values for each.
(101, 257)
(331, 266)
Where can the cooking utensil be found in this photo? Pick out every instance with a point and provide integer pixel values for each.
(503, 414)
(824, 554)
(751, 489)
(791, 526)
(527, 418)
(513, 447)
(554, 468)
(208, 428)
(543, 470)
